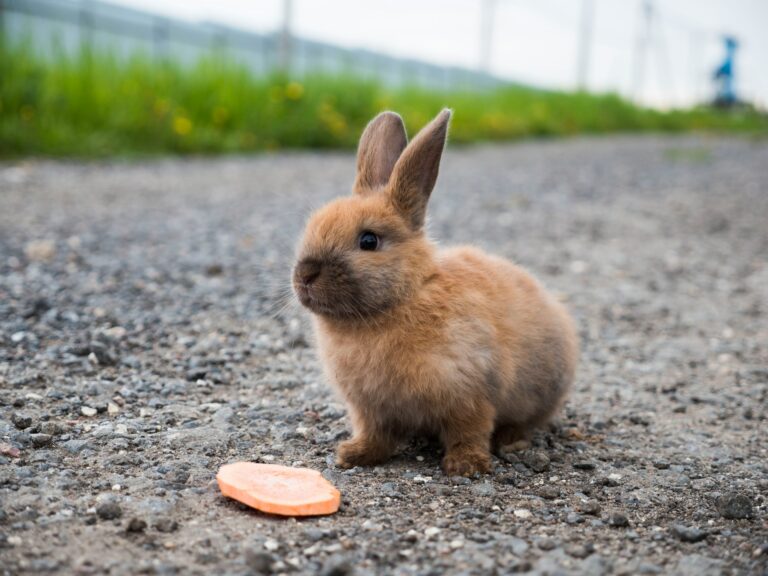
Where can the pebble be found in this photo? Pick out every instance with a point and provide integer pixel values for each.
(40, 250)
(549, 492)
(537, 461)
(734, 506)
(589, 507)
(75, 446)
(618, 520)
(259, 561)
(41, 440)
(271, 545)
(580, 550)
(109, 510)
(21, 421)
(337, 565)
(585, 465)
(460, 480)
(573, 518)
(523, 513)
(431, 531)
(687, 534)
(88, 411)
(546, 544)
(136, 525)
(483, 489)
(166, 525)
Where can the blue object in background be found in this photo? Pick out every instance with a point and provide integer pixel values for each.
(724, 74)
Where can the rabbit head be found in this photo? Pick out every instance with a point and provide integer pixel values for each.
(364, 254)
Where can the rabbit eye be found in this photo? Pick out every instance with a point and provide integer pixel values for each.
(368, 241)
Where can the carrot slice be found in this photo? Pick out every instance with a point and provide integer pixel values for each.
(279, 489)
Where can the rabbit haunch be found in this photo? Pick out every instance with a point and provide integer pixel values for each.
(454, 343)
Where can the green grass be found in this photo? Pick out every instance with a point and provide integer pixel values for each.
(97, 105)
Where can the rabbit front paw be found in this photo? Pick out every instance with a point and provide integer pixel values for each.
(362, 452)
(466, 463)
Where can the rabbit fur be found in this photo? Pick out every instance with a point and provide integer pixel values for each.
(453, 343)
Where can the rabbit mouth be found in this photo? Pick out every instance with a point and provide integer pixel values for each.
(314, 302)
(317, 302)
(312, 299)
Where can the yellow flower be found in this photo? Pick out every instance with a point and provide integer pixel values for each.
(332, 119)
(220, 115)
(294, 91)
(161, 106)
(27, 112)
(182, 126)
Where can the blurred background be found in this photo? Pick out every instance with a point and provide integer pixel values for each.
(85, 77)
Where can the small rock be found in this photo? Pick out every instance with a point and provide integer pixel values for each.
(109, 510)
(40, 250)
(271, 545)
(431, 531)
(337, 566)
(537, 461)
(618, 520)
(258, 561)
(580, 550)
(112, 408)
(611, 481)
(21, 421)
(687, 534)
(573, 518)
(8, 450)
(75, 446)
(88, 411)
(483, 489)
(734, 506)
(590, 507)
(41, 440)
(166, 525)
(584, 465)
(699, 565)
(549, 492)
(390, 489)
(136, 525)
(523, 513)
(546, 544)
(456, 544)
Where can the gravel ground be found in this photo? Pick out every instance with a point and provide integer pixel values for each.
(146, 338)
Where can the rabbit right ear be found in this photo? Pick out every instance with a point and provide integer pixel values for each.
(381, 144)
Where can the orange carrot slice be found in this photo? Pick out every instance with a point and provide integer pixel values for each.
(279, 489)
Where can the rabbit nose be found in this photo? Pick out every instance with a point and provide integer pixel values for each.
(307, 271)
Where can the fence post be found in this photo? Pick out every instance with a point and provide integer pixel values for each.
(160, 33)
(85, 24)
(285, 42)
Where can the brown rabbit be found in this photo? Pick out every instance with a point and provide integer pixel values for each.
(453, 343)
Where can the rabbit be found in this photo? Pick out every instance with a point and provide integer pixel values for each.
(453, 343)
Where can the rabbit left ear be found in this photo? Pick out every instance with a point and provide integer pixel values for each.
(415, 172)
(380, 146)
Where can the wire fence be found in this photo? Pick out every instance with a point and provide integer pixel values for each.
(53, 26)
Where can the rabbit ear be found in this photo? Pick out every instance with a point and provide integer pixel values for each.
(381, 144)
(416, 170)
